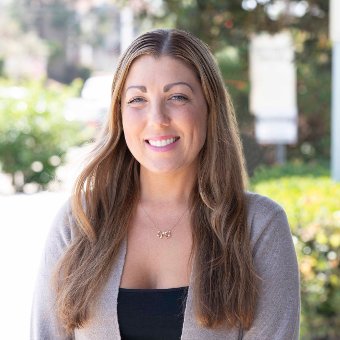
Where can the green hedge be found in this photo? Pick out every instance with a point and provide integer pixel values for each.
(34, 135)
(312, 202)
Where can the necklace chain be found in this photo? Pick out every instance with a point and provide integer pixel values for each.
(167, 233)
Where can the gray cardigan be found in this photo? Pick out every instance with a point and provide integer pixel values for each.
(278, 310)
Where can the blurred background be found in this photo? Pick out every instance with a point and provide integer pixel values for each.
(57, 59)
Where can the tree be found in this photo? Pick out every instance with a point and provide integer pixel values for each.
(34, 135)
(23, 53)
(227, 25)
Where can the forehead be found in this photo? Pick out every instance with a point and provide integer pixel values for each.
(153, 68)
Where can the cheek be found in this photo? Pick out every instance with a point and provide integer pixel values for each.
(130, 131)
(202, 132)
(199, 122)
(126, 118)
(125, 128)
(131, 124)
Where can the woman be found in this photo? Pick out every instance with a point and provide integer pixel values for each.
(160, 240)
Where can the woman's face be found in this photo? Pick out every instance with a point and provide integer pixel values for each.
(164, 114)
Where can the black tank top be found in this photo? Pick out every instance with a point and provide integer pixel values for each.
(151, 314)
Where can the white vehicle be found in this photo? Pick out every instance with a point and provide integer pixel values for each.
(93, 104)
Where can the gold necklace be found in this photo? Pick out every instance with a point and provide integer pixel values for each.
(167, 233)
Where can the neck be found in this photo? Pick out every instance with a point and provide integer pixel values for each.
(166, 189)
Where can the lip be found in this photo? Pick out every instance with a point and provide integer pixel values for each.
(162, 148)
(161, 137)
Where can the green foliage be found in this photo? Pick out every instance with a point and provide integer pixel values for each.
(1, 67)
(227, 26)
(288, 170)
(234, 69)
(314, 97)
(311, 201)
(34, 136)
(225, 23)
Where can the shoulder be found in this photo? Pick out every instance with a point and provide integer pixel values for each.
(278, 305)
(44, 323)
(264, 215)
(61, 231)
(261, 205)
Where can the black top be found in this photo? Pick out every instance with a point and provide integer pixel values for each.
(151, 314)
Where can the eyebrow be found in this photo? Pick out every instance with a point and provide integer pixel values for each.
(166, 88)
(139, 87)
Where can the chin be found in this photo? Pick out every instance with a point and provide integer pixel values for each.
(163, 169)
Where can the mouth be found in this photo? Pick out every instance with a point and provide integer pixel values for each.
(160, 143)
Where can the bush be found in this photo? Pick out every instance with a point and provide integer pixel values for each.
(34, 136)
(311, 201)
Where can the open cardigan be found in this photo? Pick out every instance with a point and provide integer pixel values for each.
(278, 309)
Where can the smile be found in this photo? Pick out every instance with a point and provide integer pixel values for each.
(163, 142)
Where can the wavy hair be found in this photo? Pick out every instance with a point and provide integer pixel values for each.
(106, 194)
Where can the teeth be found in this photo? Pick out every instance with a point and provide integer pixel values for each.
(161, 143)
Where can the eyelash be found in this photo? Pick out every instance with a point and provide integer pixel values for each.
(177, 97)
(135, 100)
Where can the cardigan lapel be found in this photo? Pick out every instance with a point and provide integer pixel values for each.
(103, 325)
(193, 331)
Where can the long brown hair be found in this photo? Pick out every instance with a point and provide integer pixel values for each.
(107, 191)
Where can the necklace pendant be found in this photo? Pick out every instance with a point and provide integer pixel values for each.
(164, 234)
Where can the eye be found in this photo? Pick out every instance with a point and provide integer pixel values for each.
(179, 97)
(136, 100)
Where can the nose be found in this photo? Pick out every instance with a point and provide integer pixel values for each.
(158, 115)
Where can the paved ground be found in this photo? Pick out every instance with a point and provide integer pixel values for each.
(24, 222)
